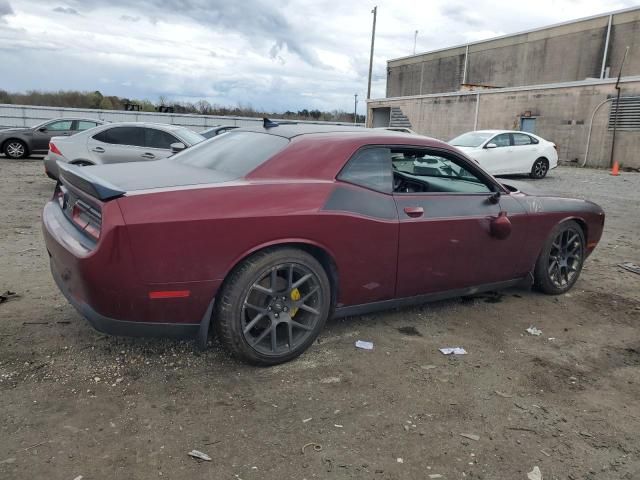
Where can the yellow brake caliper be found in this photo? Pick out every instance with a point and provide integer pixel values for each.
(295, 296)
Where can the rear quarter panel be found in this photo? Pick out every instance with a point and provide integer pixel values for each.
(201, 234)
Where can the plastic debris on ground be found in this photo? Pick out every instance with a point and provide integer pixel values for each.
(534, 331)
(535, 474)
(8, 295)
(364, 345)
(631, 267)
(199, 455)
(470, 436)
(453, 351)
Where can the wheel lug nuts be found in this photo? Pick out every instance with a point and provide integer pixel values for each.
(276, 315)
(269, 308)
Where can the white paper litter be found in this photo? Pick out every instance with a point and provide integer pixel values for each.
(453, 351)
(535, 474)
(200, 455)
(364, 345)
(534, 331)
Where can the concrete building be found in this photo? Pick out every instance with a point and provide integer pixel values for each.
(557, 82)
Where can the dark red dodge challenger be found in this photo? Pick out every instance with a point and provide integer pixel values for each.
(265, 233)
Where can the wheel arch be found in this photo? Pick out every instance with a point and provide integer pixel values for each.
(581, 223)
(318, 251)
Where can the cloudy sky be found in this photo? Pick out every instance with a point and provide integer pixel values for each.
(272, 55)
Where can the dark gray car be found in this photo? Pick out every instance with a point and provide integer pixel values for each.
(21, 142)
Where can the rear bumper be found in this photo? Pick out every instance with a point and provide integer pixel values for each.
(113, 326)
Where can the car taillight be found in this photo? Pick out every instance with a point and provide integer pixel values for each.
(87, 218)
(54, 149)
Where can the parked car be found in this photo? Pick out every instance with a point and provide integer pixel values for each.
(219, 130)
(504, 152)
(18, 143)
(119, 142)
(266, 233)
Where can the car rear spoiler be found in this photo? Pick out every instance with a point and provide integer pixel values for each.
(81, 178)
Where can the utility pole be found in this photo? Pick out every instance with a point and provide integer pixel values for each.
(615, 116)
(373, 38)
(355, 108)
(415, 40)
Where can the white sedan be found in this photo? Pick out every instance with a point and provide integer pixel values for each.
(505, 152)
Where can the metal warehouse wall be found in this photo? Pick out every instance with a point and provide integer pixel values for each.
(563, 114)
(28, 116)
(562, 53)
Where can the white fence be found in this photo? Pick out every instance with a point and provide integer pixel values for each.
(28, 116)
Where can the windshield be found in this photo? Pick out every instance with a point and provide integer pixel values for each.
(236, 153)
(189, 135)
(471, 139)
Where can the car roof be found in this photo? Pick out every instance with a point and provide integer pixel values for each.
(166, 126)
(494, 132)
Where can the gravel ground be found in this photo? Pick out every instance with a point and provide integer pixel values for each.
(78, 403)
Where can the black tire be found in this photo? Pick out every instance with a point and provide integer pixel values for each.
(540, 168)
(15, 149)
(559, 265)
(256, 306)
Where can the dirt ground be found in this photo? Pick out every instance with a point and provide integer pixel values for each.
(77, 403)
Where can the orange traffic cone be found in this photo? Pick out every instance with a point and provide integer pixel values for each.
(615, 171)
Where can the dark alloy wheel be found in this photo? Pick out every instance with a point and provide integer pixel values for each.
(540, 168)
(560, 262)
(273, 306)
(15, 149)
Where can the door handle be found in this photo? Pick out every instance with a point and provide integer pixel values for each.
(148, 155)
(414, 212)
(66, 134)
(97, 149)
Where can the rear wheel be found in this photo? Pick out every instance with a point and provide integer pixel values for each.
(15, 149)
(540, 168)
(561, 259)
(273, 306)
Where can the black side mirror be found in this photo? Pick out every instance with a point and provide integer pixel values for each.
(177, 147)
(42, 129)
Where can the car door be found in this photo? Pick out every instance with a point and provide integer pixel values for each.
(43, 134)
(117, 144)
(494, 155)
(451, 225)
(525, 152)
(158, 144)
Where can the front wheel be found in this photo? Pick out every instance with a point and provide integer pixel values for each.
(273, 306)
(15, 149)
(561, 259)
(540, 168)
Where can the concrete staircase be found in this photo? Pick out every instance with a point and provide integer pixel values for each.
(399, 119)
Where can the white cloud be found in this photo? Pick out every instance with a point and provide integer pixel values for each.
(272, 55)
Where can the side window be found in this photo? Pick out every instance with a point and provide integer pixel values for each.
(85, 125)
(369, 168)
(158, 139)
(122, 136)
(521, 139)
(501, 140)
(59, 126)
(425, 171)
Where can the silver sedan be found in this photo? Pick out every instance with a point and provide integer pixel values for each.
(119, 142)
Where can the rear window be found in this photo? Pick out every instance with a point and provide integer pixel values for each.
(237, 153)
